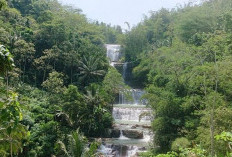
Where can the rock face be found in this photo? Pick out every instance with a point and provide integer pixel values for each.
(111, 133)
(115, 133)
(135, 134)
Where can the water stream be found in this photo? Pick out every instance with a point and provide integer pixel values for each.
(133, 130)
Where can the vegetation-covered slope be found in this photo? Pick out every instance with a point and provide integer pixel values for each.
(55, 78)
(183, 59)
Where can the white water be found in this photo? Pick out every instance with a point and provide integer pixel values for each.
(124, 74)
(122, 137)
(113, 52)
(127, 117)
(132, 97)
(130, 114)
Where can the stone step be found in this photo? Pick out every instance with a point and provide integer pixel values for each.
(112, 150)
(128, 142)
(130, 106)
(132, 114)
(128, 133)
(133, 126)
(122, 133)
(137, 123)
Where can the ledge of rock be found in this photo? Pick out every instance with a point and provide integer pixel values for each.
(111, 133)
(115, 133)
(135, 134)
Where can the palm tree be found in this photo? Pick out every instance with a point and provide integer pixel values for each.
(90, 69)
(77, 146)
(92, 96)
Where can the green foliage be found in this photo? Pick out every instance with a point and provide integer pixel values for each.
(196, 151)
(180, 143)
(90, 68)
(95, 115)
(77, 146)
(184, 152)
(6, 60)
(60, 65)
(226, 137)
(43, 128)
(169, 154)
(2, 4)
(113, 83)
(54, 84)
(183, 59)
(13, 132)
(72, 103)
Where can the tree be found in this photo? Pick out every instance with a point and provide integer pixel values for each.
(54, 84)
(76, 146)
(90, 69)
(12, 131)
(24, 55)
(6, 61)
(2, 4)
(46, 63)
(113, 83)
(73, 104)
(6, 64)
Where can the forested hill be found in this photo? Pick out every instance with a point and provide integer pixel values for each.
(183, 58)
(54, 79)
(44, 36)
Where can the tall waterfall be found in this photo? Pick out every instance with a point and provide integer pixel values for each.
(132, 118)
(113, 52)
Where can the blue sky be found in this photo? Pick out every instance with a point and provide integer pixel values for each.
(117, 12)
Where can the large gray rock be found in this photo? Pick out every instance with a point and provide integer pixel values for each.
(135, 134)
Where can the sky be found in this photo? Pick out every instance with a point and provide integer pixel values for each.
(117, 12)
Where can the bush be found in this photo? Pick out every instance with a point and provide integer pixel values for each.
(180, 143)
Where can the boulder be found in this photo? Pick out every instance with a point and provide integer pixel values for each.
(146, 126)
(115, 133)
(134, 127)
(135, 134)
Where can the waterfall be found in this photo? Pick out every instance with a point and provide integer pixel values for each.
(130, 114)
(113, 52)
(134, 97)
(122, 136)
(124, 73)
(134, 132)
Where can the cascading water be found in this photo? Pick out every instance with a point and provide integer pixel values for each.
(130, 114)
(133, 129)
(124, 74)
(113, 52)
(132, 96)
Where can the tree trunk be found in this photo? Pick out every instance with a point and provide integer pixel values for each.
(72, 72)
(24, 69)
(11, 147)
(7, 84)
